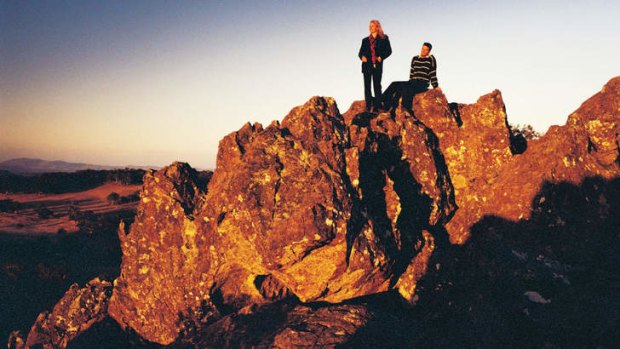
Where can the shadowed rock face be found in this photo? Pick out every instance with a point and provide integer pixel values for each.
(282, 325)
(326, 208)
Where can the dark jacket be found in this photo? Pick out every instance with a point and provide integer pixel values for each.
(382, 49)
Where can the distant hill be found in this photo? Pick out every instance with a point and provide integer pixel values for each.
(34, 166)
(66, 182)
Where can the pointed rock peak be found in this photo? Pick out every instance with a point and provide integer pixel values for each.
(178, 170)
(317, 107)
(612, 86)
(321, 103)
(493, 95)
(248, 127)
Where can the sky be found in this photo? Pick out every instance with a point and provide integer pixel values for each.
(152, 82)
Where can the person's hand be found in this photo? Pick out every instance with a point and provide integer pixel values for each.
(364, 59)
(379, 59)
(438, 89)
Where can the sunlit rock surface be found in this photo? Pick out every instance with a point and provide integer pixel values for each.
(489, 180)
(307, 209)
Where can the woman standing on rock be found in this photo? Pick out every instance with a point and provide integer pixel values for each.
(374, 50)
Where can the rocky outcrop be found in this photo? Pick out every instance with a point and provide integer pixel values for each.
(400, 175)
(324, 207)
(302, 219)
(489, 180)
(164, 282)
(307, 209)
(76, 312)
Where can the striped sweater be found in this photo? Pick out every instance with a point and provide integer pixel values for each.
(425, 69)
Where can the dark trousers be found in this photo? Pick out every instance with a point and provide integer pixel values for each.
(375, 76)
(405, 89)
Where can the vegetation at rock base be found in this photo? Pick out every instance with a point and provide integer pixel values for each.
(63, 182)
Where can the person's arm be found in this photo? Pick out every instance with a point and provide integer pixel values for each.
(388, 48)
(411, 71)
(433, 73)
(360, 53)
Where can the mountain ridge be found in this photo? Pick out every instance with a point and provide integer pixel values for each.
(25, 166)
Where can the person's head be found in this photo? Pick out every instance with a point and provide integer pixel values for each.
(375, 28)
(426, 49)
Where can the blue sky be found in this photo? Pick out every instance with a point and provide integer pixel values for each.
(151, 82)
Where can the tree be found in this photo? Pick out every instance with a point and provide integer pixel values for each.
(527, 131)
(114, 198)
(44, 212)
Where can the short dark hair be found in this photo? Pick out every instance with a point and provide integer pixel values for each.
(428, 44)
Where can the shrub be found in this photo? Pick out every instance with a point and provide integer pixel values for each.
(114, 198)
(527, 131)
(44, 212)
(9, 205)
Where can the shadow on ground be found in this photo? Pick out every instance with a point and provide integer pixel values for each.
(552, 281)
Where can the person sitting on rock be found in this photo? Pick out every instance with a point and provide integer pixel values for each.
(423, 71)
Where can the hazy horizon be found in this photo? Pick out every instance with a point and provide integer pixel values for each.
(146, 83)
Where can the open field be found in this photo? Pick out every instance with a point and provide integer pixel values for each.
(49, 241)
(52, 213)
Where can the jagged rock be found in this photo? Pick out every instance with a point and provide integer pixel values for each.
(16, 340)
(75, 312)
(567, 252)
(163, 283)
(489, 180)
(326, 208)
(404, 185)
(475, 141)
(285, 216)
(285, 200)
(587, 146)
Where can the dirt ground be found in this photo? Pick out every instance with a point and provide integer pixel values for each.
(28, 220)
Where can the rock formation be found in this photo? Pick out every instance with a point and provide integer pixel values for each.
(301, 209)
(323, 208)
(75, 312)
(488, 180)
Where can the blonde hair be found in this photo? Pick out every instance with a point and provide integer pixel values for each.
(379, 28)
